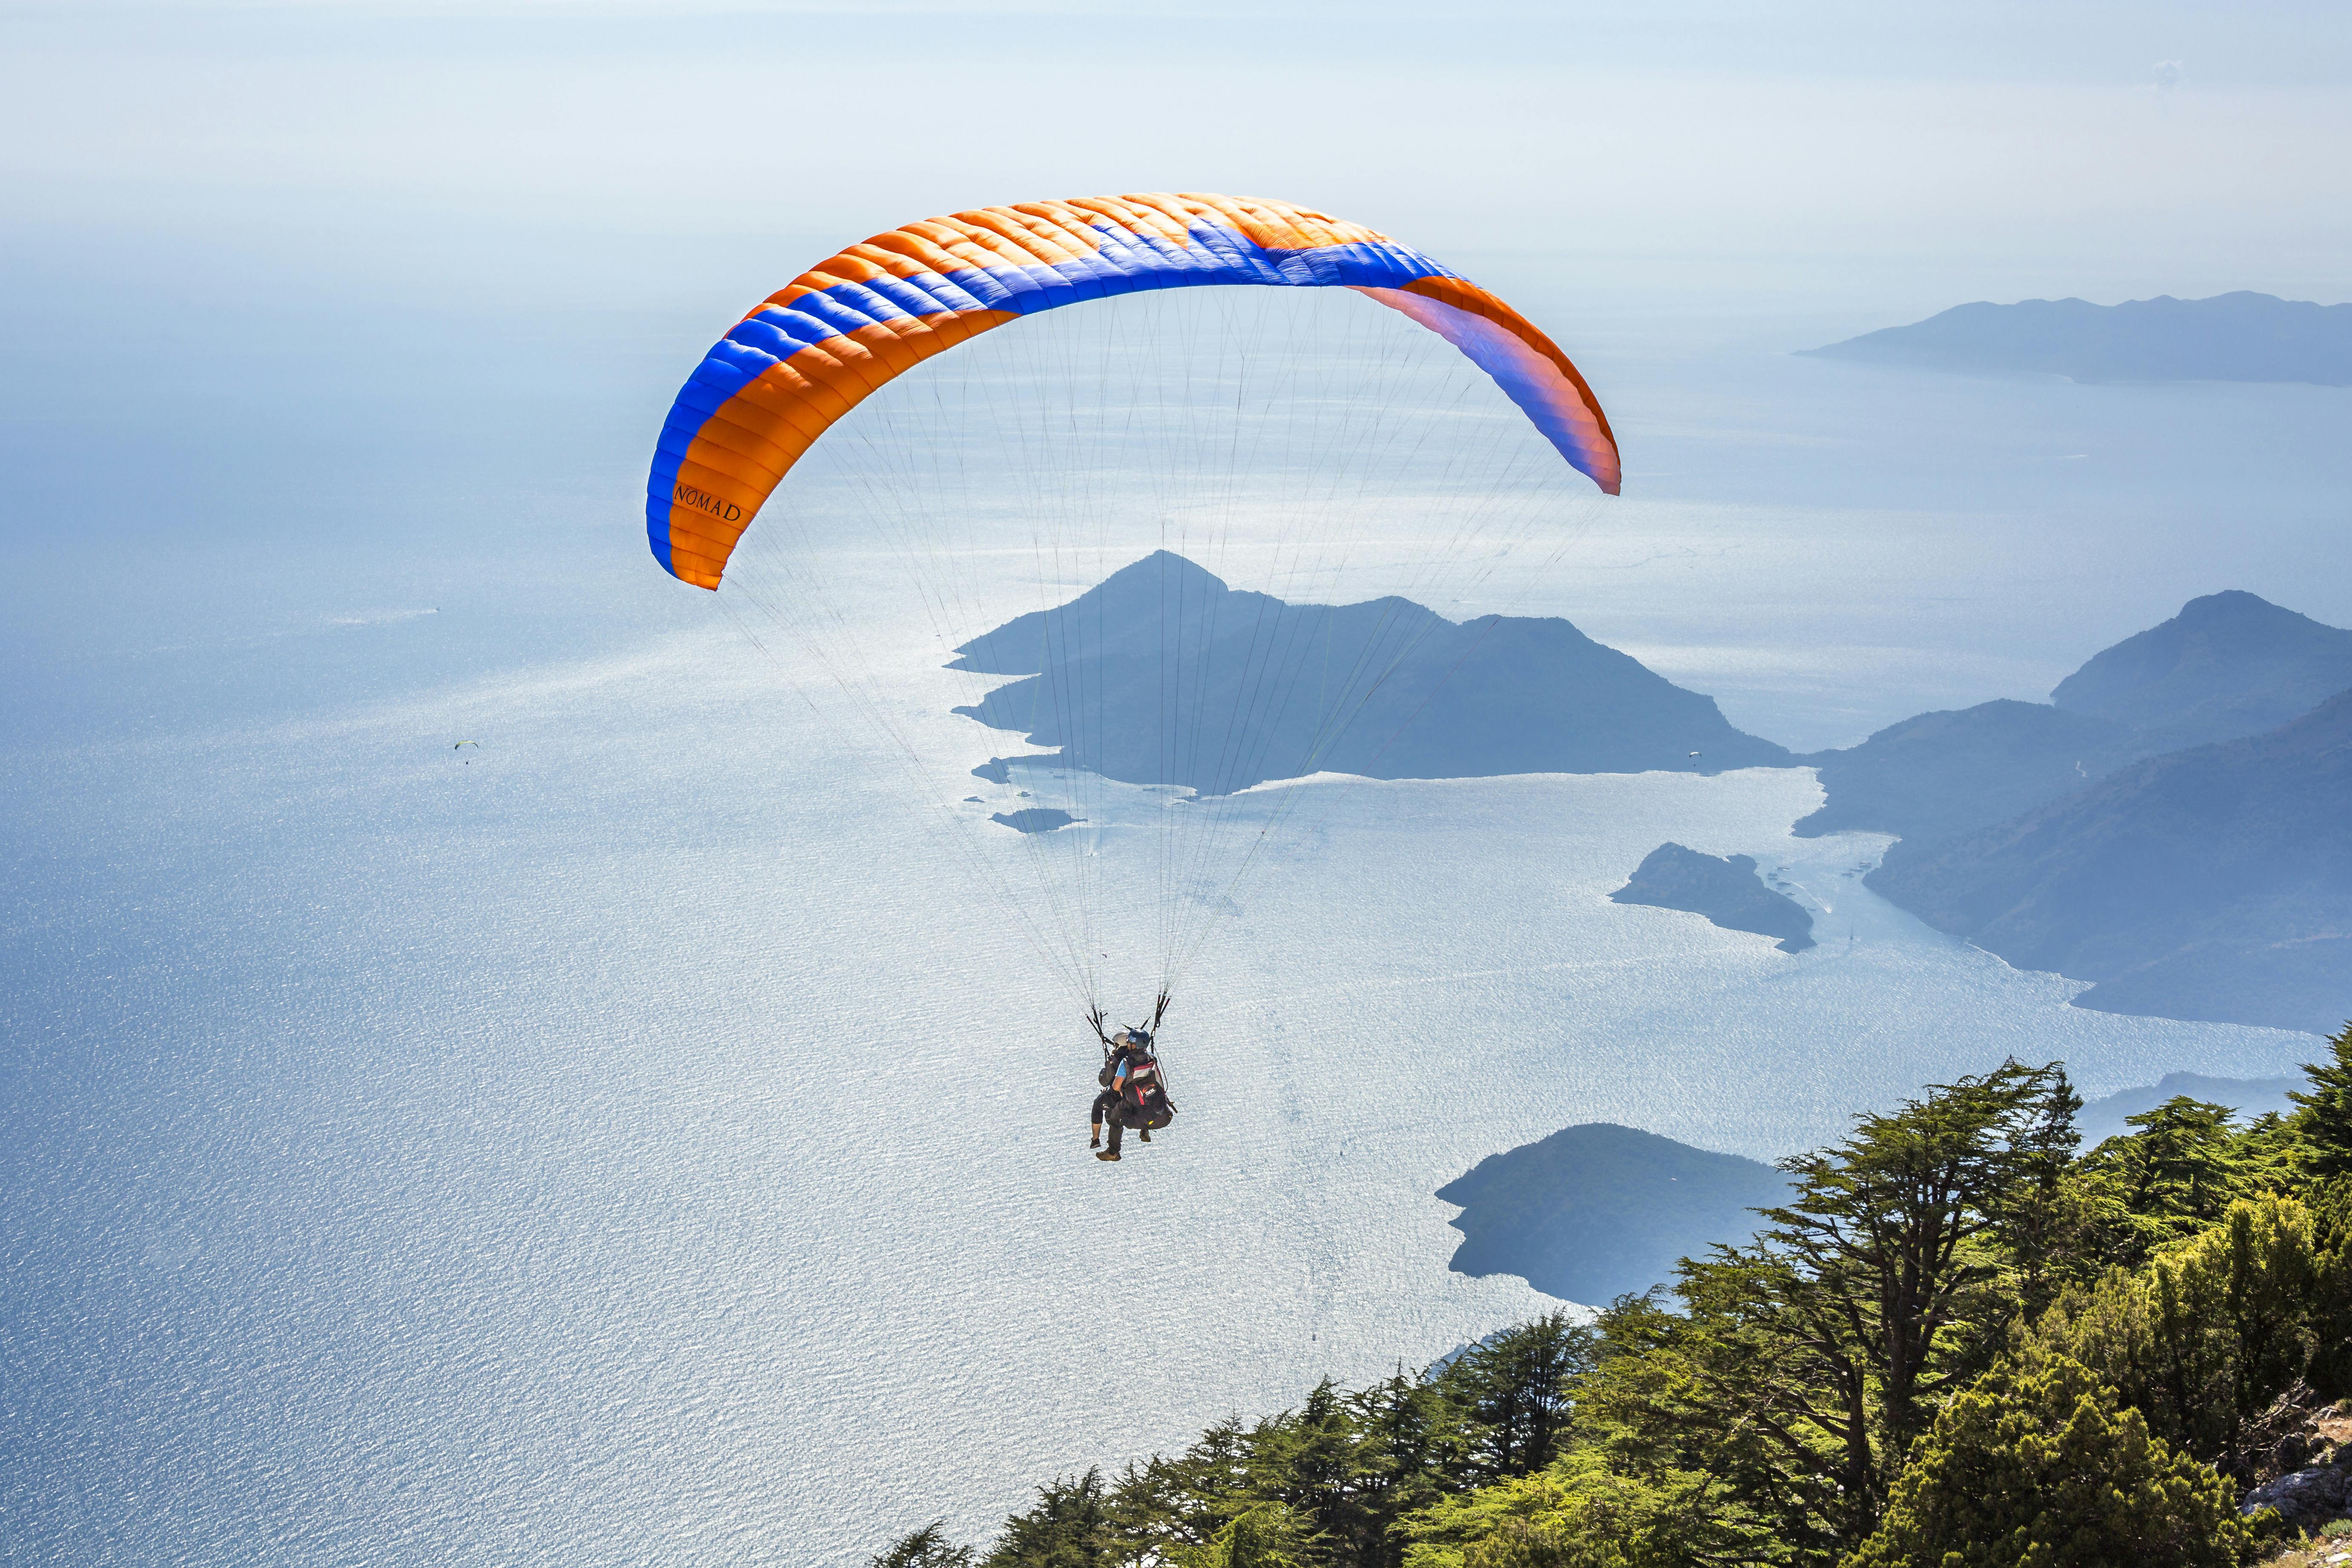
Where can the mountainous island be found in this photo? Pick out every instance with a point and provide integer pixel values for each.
(1299, 688)
(1594, 1212)
(2230, 337)
(2171, 825)
(1725, 889)
(2210, 883)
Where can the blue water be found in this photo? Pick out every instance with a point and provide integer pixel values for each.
(626, 1141)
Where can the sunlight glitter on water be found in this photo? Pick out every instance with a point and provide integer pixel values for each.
(639, 1145)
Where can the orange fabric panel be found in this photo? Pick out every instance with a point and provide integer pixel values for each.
(745, 448)
(1035, 234)
(1024, 241)
(738, 454)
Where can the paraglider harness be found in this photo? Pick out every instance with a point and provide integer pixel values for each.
(1144, 1103)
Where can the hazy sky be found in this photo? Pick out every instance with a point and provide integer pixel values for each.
(303, 276)
(1902, 157)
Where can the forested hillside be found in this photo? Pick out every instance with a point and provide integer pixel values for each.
(1961, 1340)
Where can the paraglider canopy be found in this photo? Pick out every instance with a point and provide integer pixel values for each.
(1300, 502)
(817, 347)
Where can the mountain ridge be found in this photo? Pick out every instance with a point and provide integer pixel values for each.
(2242, 337)
(2227, 666)
(2214, 882)
(1353, 689)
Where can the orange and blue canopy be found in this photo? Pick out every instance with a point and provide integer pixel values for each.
(814, 351)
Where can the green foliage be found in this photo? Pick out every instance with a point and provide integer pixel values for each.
(2170, 1179)
(1955, 1344)
(1512, 1393)
(1268, 1535)
(1069, 1528)
(2330, 1205)
(1345, 1467)
(2270, 1155)
(1885, 1280)
(2047, 1471)
(1577, 1513)
(926, 1548)
(1328, 1483)
(1803, 1367)
(1889, 1259)
(1726, 1390)
(2323, 1120)
(2210, 1333)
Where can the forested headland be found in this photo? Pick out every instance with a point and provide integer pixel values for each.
(1964, 1340)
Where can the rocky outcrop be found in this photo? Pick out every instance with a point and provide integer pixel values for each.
(2305, 1499)
(2309, 1467)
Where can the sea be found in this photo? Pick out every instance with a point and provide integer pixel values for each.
(494, 1075)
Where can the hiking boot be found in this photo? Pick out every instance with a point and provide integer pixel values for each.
(1108, 1154)
(1147, 1134)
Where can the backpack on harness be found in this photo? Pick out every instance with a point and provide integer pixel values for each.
(1143, 1101)
(1146, 1104)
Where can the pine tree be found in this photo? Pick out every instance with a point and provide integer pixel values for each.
(2325, 1119)
(926, 1548)
(2046, 1470)
(2169, 1179)
(1513, 1394)
(1886, 1270)
(1267, 1536)
(1069, 1528)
